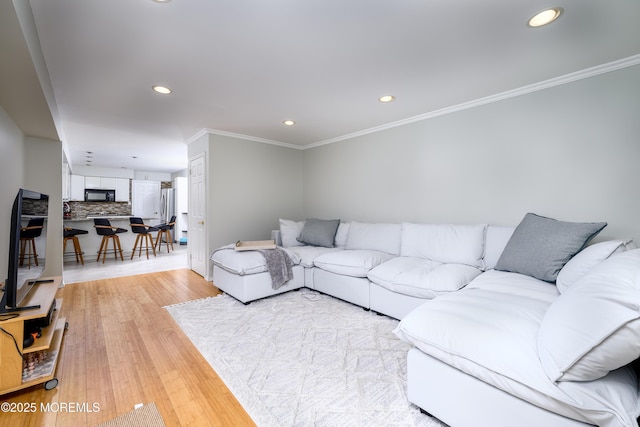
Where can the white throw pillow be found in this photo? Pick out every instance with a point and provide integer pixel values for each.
(495, 242)
(447, 243)
(342, 234)
(289, 232)
(594, 327)
(585, 260)
(375, 237)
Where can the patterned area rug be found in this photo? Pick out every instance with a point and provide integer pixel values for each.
(304, 358)
(146, 416)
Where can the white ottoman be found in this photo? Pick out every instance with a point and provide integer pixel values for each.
(244, 274)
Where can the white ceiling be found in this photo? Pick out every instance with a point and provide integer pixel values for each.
(244, 66)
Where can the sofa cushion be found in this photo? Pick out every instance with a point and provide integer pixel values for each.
(319, 232)
(446, 243)
(594, 326)
(341, 235)
(244, 262)
(494, 325)
(421, 278)
(585, 260)
(494, 243)
(356, 263)
(308, 254)
(540, 247)
(375, 237)
(289, 232)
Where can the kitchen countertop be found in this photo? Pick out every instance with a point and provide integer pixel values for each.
(109, 217)
(91, 241)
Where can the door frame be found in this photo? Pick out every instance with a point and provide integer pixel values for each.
(192, 226)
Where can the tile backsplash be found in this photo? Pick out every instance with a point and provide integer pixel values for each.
(83, 209)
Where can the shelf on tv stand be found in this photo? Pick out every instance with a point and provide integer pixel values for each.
(42, 294)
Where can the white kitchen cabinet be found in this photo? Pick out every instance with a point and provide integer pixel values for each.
(107, 183)
(122, 189)
(91, 182)
(79, 183)
(100, 182)
(66, 182)
(77, 188)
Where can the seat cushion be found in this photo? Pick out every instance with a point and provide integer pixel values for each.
(244, 262)
(492, 323)
(356, 263)
(308, 254)
(422, 278)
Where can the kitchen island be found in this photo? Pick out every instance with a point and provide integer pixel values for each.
(90, 243)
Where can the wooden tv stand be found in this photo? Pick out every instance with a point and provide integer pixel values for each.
(43, 354)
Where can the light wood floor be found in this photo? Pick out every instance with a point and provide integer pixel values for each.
(123, 348)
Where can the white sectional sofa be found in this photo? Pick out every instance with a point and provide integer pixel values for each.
(389, 268)
(508, 327)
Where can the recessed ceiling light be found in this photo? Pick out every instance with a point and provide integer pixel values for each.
(545, 17)
(387, 98)
(162, 1)
(289, 123)
(162, 89)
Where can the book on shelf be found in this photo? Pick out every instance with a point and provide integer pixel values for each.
(38, 364)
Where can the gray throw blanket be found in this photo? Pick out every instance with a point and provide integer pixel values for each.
(279, 265)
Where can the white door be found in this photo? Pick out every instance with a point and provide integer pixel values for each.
(197, 213)
(145, 199)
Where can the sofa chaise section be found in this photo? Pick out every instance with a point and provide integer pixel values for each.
(545, 352)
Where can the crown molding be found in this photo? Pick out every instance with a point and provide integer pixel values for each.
(546, 84)
(207, 131)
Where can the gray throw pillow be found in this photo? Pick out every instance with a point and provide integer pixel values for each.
(540, 247)
(319, 232)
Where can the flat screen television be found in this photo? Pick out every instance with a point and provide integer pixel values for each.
(24, 267)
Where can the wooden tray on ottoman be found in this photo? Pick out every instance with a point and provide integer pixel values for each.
(254, 245)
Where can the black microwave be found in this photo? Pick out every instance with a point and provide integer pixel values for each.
(94, 195)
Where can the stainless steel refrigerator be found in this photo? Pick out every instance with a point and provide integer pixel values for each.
(168, 207)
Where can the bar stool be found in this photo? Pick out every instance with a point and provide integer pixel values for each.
(165, 229)
(72, 234)
(104, 229)
(28, 236)
(143, 233)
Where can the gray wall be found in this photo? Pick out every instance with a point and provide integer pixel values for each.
(12, 178)
(43, 173)
(35, 164)
(570, 152)
(251, 185)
